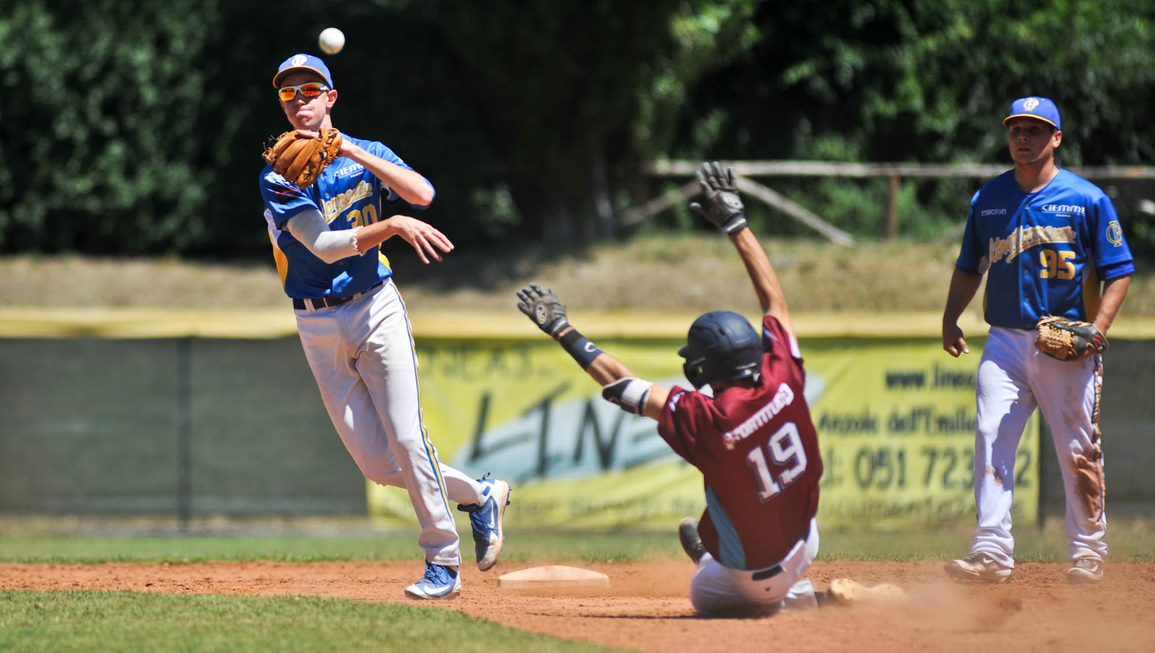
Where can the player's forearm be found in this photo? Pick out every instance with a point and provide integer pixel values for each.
(963, 286)
(619, 386)
(618, 383)
(548, 313)
(373, 235)
(1114, 292)
(771, 296)
(311, 230)
(607, 369)
(601, 367)
(410, 185)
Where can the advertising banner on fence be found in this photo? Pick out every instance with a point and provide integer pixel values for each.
(896, 421)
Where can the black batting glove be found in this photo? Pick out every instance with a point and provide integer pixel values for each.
(723, 206)
(544, 307)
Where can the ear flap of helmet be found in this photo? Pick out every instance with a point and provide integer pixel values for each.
(695, 365)
(695, 374)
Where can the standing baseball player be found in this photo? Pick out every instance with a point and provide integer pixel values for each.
(354, 327)
(1050, 244)
(753, 440)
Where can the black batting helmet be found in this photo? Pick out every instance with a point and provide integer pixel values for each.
(721, 346)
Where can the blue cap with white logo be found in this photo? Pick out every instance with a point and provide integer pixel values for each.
(303, 62)
(1038, 108)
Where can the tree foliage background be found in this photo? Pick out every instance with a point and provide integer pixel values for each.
(135, 127)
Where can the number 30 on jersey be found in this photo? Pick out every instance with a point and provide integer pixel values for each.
(786, 452)
(359, 219)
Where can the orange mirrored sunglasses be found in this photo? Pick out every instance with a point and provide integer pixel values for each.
(309, 90)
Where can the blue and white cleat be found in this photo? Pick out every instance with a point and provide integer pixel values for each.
(486, 520)
(440, 582)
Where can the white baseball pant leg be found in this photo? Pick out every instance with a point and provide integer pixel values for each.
(382, 468)
(365, 364)
(1014, 378)
(1005, 403)
(1069, 393)
(719, 590)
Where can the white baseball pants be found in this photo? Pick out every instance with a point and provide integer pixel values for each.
(720, 590)
(365, 363)
(1014, 378)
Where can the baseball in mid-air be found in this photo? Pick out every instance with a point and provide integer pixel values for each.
(331, 40)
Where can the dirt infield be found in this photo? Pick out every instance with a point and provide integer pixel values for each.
(646, 606)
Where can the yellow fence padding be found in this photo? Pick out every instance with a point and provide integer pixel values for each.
(33, 322)
(896, 421)
(894, 412)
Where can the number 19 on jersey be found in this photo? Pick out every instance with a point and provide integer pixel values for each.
(784, 448)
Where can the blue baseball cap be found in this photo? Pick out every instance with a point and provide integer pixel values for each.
(303, 62)
(1039, 108)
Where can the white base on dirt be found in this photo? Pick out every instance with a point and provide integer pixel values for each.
(847, 591)
(553, 576)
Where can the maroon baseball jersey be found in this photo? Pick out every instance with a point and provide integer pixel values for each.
(757, 449)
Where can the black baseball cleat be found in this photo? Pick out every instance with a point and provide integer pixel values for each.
(691, 541)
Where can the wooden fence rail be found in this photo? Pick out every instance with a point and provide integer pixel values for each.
(894, 172)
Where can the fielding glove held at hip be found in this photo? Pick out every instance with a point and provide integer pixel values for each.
(723, 205)
(544, 307)
(1065, 339)
(300, 157)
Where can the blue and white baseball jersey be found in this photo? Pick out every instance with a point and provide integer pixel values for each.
(1047, 252)
(348, 195)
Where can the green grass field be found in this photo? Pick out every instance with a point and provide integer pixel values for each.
(122, 621)
(1131, 540)
(125, 621)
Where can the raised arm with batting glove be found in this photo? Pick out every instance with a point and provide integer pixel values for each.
(619, 386)
(723, 207)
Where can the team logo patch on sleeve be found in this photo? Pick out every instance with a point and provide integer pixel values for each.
(1115, 233)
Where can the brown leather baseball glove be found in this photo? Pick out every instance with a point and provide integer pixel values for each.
(300, 157)
(1065, 339)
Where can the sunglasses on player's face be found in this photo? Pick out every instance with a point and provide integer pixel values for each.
(308, 90)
